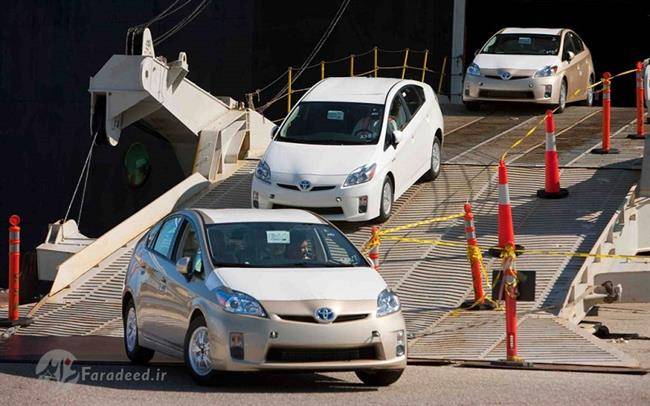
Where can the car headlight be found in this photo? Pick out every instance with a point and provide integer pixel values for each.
(236, 302)
(360, 175)
(387, 303)
(545, 71)
(263, 172)
(473, 70)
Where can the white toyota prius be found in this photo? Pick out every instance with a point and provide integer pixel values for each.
(351, 147)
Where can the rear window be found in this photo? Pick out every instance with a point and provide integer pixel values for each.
(523, 44)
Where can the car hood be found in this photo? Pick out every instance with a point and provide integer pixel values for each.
(267, 284)
(311, 159)
(521, 62)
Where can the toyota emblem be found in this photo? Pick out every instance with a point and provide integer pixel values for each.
(504, 75)
(324, 315)
(304, 185)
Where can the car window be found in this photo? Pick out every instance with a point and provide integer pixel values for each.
(398, 116)
(522, 44)
(412, 98)
(165, 241)
(577, 43)
(568, 46)
(188, 246)
(277, 245)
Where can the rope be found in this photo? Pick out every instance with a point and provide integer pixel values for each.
(83, 170)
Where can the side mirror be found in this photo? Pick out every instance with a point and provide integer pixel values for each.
(398, 136)
(571, 55)
(183, 265)
(274, 131)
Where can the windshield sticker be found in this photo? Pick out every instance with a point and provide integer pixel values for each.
(277, 237)
(335, 115)
(525, 40)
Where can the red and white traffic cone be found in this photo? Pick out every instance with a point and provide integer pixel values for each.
(640, 130)
(13, 318)
(373, 254)
(506, 228)
(552, 189)
(607, 117)
(475, 259)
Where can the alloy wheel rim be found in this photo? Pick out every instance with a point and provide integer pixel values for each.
(131, 330)
(199, 352)
(435, 157)
(590, 93)
(563, 95)
(386, 197)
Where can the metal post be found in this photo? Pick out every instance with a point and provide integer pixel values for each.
(406, 59)
(375, 58)
(424, 65)
(442, 74)
(472, 246)
(352, 65)
(322, 70)
(289, 92)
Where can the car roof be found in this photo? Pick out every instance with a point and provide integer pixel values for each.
(519, 30)
(352, 89)
(222, 216)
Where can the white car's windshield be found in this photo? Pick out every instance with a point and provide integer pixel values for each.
(275, 244)
(523, 44)
(334, 123)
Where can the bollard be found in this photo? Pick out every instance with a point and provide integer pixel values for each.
(374, 251)
(505, 228)
(13, 318)
(607, 114)
(640, 130)
(552, 189)
(474, 255)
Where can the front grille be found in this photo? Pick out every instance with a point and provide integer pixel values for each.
(310, 319)
(313, 189)
(506, 94)
(317, 210)
(511, 77)
(289, 355)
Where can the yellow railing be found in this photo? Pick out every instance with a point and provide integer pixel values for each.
(292, 74)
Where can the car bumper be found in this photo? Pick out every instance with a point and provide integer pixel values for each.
(336, 204)
(530, 90)
(306, 338)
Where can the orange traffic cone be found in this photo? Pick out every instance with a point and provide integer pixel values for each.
(552, 188)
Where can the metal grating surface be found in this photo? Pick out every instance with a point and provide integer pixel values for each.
(432, 280)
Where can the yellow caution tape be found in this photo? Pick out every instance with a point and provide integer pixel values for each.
(420, 223)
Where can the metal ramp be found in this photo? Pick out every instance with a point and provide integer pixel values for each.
(433, 281)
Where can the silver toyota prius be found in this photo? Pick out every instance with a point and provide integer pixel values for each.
(254, 290)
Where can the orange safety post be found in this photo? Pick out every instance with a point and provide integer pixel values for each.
(640, 130)
(607, 114)
(374, 249)
(509, 274)
(552, 189)
(476, 263)
(13, 318)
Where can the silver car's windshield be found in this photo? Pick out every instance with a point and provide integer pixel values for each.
(275, 244)
(334, 123)
(523, 44)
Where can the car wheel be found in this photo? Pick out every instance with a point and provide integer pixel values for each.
(436, 160)
(589, 101)
(561, 106)
(197, 352)
(473, 106)
(386, 202)
(136, 353)
(381, 377)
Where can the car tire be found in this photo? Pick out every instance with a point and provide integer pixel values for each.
(473, 106)
(199, 364)
(436, 160)
(589, 101)
(381, 377)
(562, 98)
(386, 202)
(134, 351)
